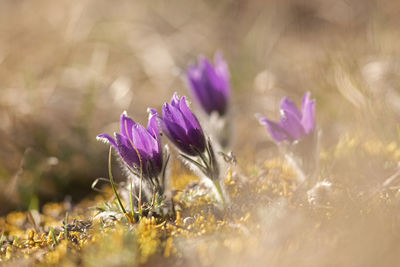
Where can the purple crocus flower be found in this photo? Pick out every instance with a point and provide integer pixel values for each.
(294, 124)
(182, 127)
(134, 139)
(210, 84)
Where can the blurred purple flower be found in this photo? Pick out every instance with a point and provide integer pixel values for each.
(182, 127)
(134, 139)
(210, 84)
(293, 125)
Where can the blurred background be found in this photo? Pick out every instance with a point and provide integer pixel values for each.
(68, 69)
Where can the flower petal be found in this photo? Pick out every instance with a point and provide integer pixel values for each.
(200, 90)
(107, 139)
(188, 115)
(177, 135)
(308, 117)
(292, 125)
(143, 140)
(153, 124)
(174, 126)
(210, 84)
(174, 114)
(175, 100)
(195, 132)
(182, 127)
(221, 67)
(216, 88)
(288, 106)
(126, 125)
(276, 131)
(127, 153)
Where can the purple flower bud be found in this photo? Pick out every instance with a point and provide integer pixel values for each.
(210, 84)
(294, 124)
(182, 127)
(134, 139)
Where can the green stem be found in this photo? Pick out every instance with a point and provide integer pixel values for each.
(65, 225)
(131, 198)
(153, 201)
(112, 182)
(140, 197)
(53, 235)
(141, 175)
(205, 161)
(220, 192)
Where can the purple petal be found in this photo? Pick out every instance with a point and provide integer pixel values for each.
(200, 88)
(179, 137)
(288, 106)
(126, 125)
(126, 151)
(216, 88)
(179, 130)
(188, 114)
(195, 72)
(138, 146)
(175, 100)
(276, 131)
(172, 113)
(292, 125)
(173, 123)
(153, 125)
(221, 67)
(211, 75)
(222, 70)
(181, 126)
(210, 84)
(143, 141)
(195, 132)
(308, 117)
(107, 138)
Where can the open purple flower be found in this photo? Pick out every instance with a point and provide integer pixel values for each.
(182, 127)
(210, 84)
(135, 140)
(294, 124)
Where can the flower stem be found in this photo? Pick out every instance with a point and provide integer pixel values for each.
(112, 182)
(131, 199)
(141, 174)
(218, 187)
(301, 177)
(140, 197)
(153, 201)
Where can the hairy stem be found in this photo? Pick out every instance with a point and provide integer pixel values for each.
(112, 182)
(140, 197)
(218, 187)
(131, 199)
(153, 201)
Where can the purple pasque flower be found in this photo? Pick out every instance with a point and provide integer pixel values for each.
(294, 124)
(135, 140)
(210, 84)
(182, 127)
